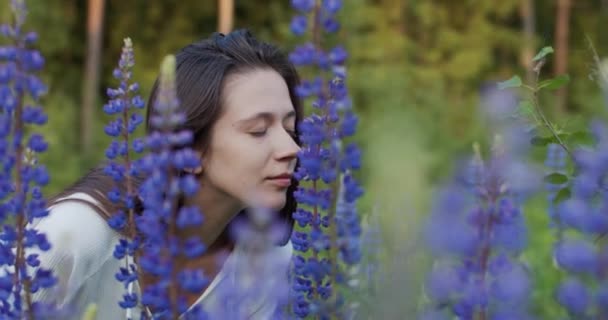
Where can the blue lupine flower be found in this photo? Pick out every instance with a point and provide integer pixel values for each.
(576, 255)
(120, 164)
(34, 115)
(511, 237)
(331, 6)
(168, 154)
(328, 190)
(303, 5)
(303, 55)
(602, 297)
(555, 162)
(22, 176)
(459, 239)
(188, 216)
(574, 296)
(192, 280)
(583, 216)
(434, 315)
(193, 248)
(303, 217)
(323, 62)
(510, 314)
(338, 55)
(331, 25)
(511, 287)
(575, 213)
(233, 297)
(444, 283)
(300, 241)
(476, 231)
(298, 25)
(301, 307)
(310, 87)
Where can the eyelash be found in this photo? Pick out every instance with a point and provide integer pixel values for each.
(259, 134)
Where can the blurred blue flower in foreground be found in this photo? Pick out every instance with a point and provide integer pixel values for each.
(583, 251)
(476, 232)
(165, 166)
(555, 163)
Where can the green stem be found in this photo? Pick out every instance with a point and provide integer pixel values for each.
(536, 103)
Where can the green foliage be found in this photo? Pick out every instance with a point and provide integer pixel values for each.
(562, 194)
(556, 178)
(543, 53)
(514, 82)
(555, 83)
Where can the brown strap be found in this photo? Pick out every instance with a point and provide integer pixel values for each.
(92, 205)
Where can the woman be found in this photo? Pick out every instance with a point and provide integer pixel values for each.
(238, 95)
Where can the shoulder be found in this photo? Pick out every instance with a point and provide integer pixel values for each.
(81, 244)
(74, 226)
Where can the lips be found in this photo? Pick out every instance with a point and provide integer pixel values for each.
(281, 176)
(282, 180)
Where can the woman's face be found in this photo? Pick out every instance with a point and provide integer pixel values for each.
(252, 142)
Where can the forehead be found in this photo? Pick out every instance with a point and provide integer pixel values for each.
(259, 90)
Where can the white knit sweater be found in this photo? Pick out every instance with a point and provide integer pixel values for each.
(82, 259)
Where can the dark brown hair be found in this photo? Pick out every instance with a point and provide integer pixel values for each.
(201, 71)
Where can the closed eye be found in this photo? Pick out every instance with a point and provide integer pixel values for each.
(260, 133)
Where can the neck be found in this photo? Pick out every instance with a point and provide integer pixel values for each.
(218, 210)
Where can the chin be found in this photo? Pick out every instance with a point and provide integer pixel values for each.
(274, 202)
(276, 206)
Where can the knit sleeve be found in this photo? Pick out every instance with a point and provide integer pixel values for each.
(81, 242)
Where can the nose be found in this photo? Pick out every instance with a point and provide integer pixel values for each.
(287, 148)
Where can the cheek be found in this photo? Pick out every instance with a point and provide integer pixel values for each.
(246, 153)
(236, 165)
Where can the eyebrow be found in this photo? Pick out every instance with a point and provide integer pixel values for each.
(267, 116)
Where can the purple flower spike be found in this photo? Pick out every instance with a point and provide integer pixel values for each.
(22, 176)
(476, 228)
(327, 216)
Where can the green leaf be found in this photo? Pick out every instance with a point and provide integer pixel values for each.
(555, 83)
(543, 53)
(525, 108)
(581, 137)
(541, 141)
(514, 82)
(562, 194)
(556, 178)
